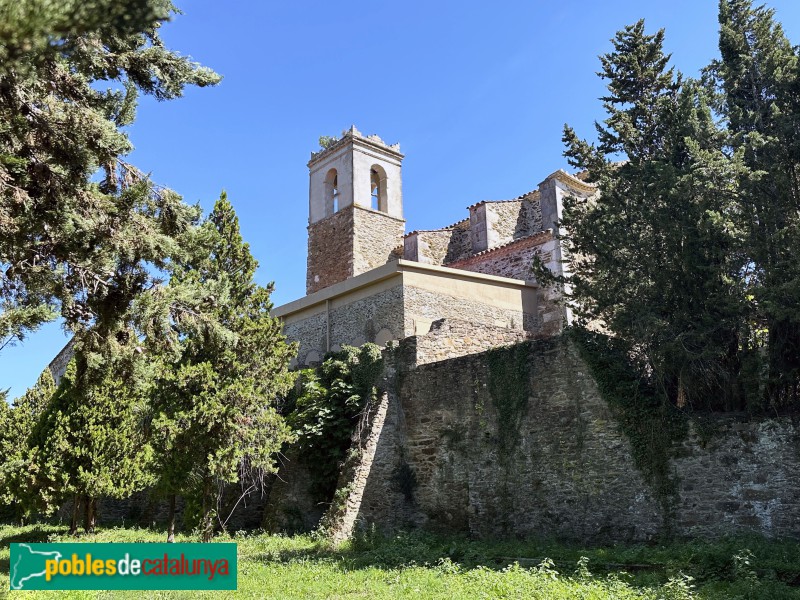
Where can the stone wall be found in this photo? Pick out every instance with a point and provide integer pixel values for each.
(435, 306)
(449, 338)
(291, 507)
(515, 260)
(440, 246)
(58, 366)
(530, 216)
(503, 219)
(330, 250)
(429, 247)
(399, 312)
(519, 442)
(351, 241)
(739, 475)
(353, 324)
(376, 235)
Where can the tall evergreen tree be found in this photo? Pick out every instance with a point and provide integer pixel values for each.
(214, 410)
(70, 74)
(90, 441)
(651, 256)
(95, 251)
(758, 76)
(17, 423)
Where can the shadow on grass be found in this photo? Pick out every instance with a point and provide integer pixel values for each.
(643, 564)
(37, 535)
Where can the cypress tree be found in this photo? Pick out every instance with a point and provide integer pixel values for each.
(758, 78)
(91, 443)
(17, 423)
(215, 420)
(651, 257)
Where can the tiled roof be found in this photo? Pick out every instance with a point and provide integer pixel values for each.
(543, 234)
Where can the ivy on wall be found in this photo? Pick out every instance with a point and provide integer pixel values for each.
(651, 423)
(509, 387)
(325, 409)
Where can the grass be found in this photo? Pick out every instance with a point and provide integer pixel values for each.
(422, 566)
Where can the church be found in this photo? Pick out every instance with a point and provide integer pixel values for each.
(369, 281)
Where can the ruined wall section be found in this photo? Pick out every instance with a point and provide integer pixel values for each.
(330, 250)
(530, 215)
(376, 235)
(503, 221)
(439, 246)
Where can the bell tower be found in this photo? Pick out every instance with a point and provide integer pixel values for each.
(355, 208)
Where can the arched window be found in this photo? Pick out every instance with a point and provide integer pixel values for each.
(377, 186)
(331, 192)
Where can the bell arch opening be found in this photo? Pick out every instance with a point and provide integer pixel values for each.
(331, 192)
(378, 191)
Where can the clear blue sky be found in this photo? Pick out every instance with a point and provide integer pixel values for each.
(475, 93)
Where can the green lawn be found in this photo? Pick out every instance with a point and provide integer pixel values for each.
(422, 566)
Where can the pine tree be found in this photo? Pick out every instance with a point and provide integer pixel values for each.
(758, 76)
(70, 74)
(651, 257)
(214, 410)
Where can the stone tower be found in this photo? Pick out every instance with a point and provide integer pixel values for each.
(355, 212)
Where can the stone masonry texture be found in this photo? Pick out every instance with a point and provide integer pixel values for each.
(330, 250)
(376, 235)
(449, 457)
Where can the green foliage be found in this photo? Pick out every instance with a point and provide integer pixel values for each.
(325, 409)
(651, 425)
(214, 406)
(16, 425)
(90, 440)
(689, 252)
(326, 141)
(423, 566)
(654, 257)
(757, 86)
(70, 73)
(509, 386)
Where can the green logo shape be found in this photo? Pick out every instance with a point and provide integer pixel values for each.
(123, 567)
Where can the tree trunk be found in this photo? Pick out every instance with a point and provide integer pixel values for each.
(206, 524)
(73, 523)
(171, 526)
(90, 515)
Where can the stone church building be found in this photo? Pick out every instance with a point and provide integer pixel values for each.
(488, 422)
(369, 281)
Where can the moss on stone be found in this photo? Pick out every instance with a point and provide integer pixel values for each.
(509, 387)
(652, 426)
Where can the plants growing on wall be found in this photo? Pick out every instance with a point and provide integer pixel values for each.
(509, 386)
(650, 424)
(325, 409)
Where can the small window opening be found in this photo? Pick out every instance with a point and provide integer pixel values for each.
(331, 192)
(375, 189)
(335, 193)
